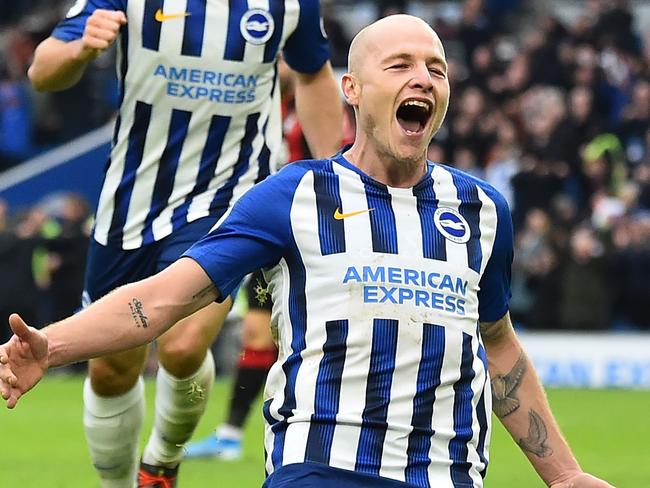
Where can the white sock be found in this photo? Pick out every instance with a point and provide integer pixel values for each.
(112, 427)
(230, 432)
(179, 406)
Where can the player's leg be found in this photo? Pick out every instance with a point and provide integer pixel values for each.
(114, 391)
(184, 381)
(258, 355)
(113, 414)
(186, 373)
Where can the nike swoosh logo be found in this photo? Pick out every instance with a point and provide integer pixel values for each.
(161, 17)
(340, 216)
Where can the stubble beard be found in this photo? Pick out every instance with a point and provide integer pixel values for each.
(388, 153)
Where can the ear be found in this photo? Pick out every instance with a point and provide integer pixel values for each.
(350, 88)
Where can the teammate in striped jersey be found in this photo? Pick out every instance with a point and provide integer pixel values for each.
(390, 281)
(199, 124)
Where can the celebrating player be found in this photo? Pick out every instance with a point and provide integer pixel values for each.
(390, 282)
(199, 124)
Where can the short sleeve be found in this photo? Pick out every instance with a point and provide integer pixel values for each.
(255, 234)
(494, 294)
(72, 27)
(307, 49)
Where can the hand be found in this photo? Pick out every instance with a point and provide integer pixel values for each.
(581, 480)
(23, 360)
(102, 28)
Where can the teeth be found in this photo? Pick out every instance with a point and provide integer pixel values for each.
(416, 103)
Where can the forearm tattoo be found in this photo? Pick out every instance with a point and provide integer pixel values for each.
(537, 435)
(137, 312)
(210, 289)
(505, 389)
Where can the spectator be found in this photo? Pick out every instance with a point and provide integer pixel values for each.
(67, 257)
(535, 273)
(475, 27)
(630, 271)
(635, 122)
(17, 283)
(585, 298)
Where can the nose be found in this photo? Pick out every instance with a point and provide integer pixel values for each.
(422, 78)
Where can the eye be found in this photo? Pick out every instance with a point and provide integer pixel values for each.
(398, 66)
(437, 71)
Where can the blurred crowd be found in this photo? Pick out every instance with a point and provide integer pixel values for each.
(32, 122)
(557, 116)
(42, 260)
(553, 113)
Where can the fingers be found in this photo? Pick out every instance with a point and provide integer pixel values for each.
(7, 381)
(22, 331)
(108, 17)
(18, 326)
(13, 398)
(102, 28)
(5, 390)
(5, 373)
(7, 378)
(30, 343)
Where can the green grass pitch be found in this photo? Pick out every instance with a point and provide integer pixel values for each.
(42, 442)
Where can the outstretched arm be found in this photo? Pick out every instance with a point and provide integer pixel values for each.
(130, 316)
(320, 111)
(518, 400)
(59, 65)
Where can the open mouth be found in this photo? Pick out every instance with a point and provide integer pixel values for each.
(413, 115)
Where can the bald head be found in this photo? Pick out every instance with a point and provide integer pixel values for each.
(370, 40)
(397, 84)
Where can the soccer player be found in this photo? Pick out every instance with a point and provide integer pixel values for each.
(390, 282)
(199, 124)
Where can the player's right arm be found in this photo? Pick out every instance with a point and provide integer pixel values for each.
(59, 64)
(130, 316)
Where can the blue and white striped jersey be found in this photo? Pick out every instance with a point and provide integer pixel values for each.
(377, 295)
(199, 120)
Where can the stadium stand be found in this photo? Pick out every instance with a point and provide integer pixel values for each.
(552, 108)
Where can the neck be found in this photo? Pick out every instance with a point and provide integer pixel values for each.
(385, 168)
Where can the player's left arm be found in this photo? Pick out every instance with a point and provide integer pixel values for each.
(320, 110)
(519, 401)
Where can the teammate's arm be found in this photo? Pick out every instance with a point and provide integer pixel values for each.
(130, 316)
(519, 401)
(320, 110)
(59, 65)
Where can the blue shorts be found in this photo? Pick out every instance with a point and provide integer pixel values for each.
(315, 475)
(109, 267)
